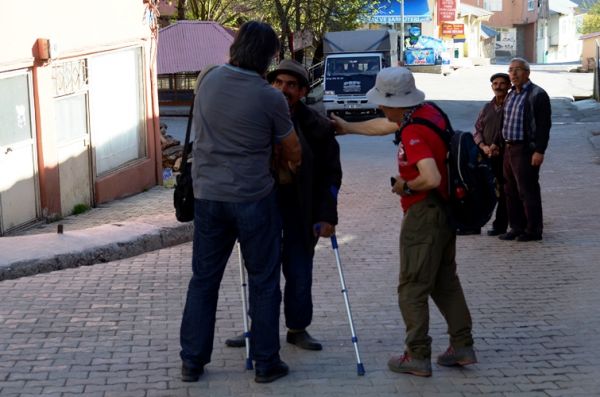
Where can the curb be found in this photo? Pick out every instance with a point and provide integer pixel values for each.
(121, 248)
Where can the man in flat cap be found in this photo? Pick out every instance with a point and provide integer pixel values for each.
(307, 200)
(488, 136)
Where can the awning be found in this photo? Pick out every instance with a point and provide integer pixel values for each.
(487, 32)
(390, 12)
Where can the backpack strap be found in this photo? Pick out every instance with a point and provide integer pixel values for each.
(186, 145)
(444, 134)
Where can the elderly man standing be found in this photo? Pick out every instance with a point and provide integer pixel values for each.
(488, 136)
(526, 131)
(237, 118)
(427, 242)
(307, 201)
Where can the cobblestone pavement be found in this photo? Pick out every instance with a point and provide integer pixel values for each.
(112, 329)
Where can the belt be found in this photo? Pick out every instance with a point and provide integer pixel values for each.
(513, 142)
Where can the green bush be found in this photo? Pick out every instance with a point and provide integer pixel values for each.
(80, 209)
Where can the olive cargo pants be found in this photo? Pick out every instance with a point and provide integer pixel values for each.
(428, 268)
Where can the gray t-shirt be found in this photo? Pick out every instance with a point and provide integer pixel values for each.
(237, 118)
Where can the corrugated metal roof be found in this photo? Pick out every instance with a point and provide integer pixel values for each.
(188, 46)
(564, 7)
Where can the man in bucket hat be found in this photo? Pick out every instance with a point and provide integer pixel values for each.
(427, 242)
(307, 201)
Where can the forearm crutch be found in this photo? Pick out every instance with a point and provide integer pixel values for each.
(359, 366)
(243, 286)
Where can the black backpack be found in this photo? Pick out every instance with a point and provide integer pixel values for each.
(471, 182)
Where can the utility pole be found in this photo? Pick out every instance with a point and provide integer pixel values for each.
(402, 32)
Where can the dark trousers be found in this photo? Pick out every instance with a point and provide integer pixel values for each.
(428, 268)
(522, 188)
(297, 262)
(257, 226)
(501, 219)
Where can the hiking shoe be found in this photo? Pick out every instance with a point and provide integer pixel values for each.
(405, 364)
(236, 341)
(457, 356)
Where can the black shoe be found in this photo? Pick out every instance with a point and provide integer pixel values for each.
(191, 374)
(510, 235)
(495, 232)
(303, 340)
(274, 372)
(467, 232)
(236, 341)
(529, 237)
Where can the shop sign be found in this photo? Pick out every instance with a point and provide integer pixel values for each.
(453, 30)
(446, 11)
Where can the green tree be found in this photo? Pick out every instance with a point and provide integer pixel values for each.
(286, 16)
(591, 21)
(317, 16)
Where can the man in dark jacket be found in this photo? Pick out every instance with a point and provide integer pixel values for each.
(307, 200)
(488, 136)
(526, 131)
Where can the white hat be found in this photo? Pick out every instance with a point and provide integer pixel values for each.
(395, 88)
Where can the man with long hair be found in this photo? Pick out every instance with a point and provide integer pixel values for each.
(238, 117)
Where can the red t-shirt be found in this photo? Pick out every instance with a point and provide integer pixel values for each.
(420, 142)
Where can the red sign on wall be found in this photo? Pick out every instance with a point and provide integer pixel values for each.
(446, 11)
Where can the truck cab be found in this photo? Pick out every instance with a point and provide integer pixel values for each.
(352, 61)
(346, 80)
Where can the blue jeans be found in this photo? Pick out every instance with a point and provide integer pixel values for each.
(297, 266)
(257, 226)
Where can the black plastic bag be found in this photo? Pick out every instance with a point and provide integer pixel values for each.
(183, 196)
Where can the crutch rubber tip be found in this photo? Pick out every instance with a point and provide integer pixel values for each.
(360, 369)
(249, 364)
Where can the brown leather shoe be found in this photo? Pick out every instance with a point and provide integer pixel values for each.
(272, 373)
(303, 340)
(189, 374)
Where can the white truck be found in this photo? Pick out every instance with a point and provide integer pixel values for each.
(352, 60)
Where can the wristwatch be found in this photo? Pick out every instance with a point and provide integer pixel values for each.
(406, 190)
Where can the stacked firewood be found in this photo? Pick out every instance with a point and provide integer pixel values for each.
(172, 149)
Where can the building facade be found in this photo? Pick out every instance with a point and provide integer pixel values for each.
(521, 26)
(78, 106)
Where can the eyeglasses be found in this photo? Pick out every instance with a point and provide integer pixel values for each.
(517, 70)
